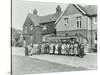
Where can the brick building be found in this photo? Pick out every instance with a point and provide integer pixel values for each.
(32, 31)
(75, 19)
(36, 28)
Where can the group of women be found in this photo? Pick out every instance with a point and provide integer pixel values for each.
(69, 48)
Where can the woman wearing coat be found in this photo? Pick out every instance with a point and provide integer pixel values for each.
(81, 50)
(59, 49)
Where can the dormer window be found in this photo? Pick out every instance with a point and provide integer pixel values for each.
(66, 21)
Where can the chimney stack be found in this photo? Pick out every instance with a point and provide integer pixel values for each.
(58, 9)
(35, 12)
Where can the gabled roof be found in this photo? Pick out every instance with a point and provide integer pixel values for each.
(50, 18)
(89, 10)
(47, 18)
(32, 19)
(36, 20)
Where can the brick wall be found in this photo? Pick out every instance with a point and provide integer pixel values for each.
(33, 36)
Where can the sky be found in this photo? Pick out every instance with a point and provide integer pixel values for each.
(20, 10)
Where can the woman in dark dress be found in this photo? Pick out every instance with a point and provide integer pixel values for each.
(81, 50)
(59, 49)
(54, 48)
(26, 51)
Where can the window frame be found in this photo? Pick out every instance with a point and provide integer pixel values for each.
(25, 29)
(79, 22)
(66, 21)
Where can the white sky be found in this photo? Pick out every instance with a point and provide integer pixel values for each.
(20, 10)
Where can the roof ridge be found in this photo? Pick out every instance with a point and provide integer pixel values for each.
(77, 6)
(48, 14)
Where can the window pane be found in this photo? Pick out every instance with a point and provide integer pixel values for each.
(80, 24)
(66, 20)
(78, 19)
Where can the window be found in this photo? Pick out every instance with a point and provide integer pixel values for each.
(25, 29)
(66, 21)
(95, 20)
(31, 27)
(95, 40)
(79, 22)
(96, 36)
(44, 27)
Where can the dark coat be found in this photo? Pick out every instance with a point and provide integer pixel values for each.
(26, 51)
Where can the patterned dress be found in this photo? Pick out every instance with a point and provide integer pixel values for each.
(67, 48)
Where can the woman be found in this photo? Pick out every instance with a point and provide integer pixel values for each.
(42, 48)
(30, 49)
(39, 49)
(75, 48)
(64, 48)
(26, 51)
(59, 49)
(54, 48)
(67, 48)
(81, 50)
(71, 48)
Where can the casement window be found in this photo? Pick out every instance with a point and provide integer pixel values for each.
(66, 21)
(25, 29)
(79, 22)
(31, 27)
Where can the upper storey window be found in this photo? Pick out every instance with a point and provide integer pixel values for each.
(79, 22)
(25, 29)
(66, 21)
